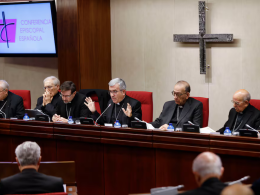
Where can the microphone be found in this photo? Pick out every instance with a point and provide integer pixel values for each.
(240, 180)
(3, 113)
(191, 123)
(102, 113)
(138, 119)
(251, 128)
(44, 114)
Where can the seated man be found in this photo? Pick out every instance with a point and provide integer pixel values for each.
(237, 189)
(30, 181)
(181, 110)
(72, 104)
(47, 103)
(123, 107)
(11, 105)
(207, 169)
(243, 113)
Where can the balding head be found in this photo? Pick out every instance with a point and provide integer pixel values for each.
(241, 100)
(4, 88)
(207, 165)
(237, 189)
(181, 92)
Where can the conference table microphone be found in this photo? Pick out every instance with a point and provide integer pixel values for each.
(191, 123)
(102, 114)
(251, 128)
(1, 112)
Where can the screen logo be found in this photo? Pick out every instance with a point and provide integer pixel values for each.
(7, 34)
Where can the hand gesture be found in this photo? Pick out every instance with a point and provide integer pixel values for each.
(64, 120)
(47, 98)
(128, 111)
(90, 104)
(55, 118)
(164, 127)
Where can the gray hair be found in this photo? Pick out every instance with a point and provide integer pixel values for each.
(186, 84)
(54, 79)
(207, 163)
(28, 153)
(4, 85)
(247, 97)
(121, 82)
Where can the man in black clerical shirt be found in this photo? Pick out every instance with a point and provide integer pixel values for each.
(207, 169)
(11, 105)
(47, 103)
(71, 104)
(30, 181)
(181, 110)
(243, 113)
(122, 107)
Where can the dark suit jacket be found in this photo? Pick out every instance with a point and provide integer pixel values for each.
(29, 181)
(77, 108)
(211, 186)
(14, 106)
(103, 96)
(192, 111)
(49, 109)
(250, 117)
(256, 187)
(123, 119)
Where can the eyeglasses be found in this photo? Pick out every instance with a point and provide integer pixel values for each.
(113, 92)
(48, 87)
(2, 90)
(177, 94)
(66, 96)
(237, 103)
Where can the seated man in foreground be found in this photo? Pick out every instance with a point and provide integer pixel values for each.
(181, 110)
(207, 169)
(122, 107)
(47, 103)
(72, 104)
(243, 113)
(30, 181)
(11, 105)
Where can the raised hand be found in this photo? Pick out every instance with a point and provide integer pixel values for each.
(128, 111)
(90, 104)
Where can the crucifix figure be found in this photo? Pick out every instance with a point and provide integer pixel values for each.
(202, 37)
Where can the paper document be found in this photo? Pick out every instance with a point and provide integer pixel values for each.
(206, 130)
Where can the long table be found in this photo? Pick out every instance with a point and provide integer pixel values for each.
(121, 161)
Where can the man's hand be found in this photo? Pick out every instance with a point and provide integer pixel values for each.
(164, 127)
(47, 98)
(61, 119)
(55, 118)
(90, 104)
(128, 111)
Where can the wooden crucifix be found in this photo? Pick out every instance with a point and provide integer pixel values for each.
(202, 37)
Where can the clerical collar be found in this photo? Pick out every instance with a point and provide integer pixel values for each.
(244, 111)
(180, 106)
(121, 102)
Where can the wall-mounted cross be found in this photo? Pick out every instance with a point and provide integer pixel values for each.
(202, 37)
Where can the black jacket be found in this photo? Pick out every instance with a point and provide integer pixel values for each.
(14, 106)
(250, 117)
(49, 109)
(123, 119)
(192, 111)
(76, 108)
(212, 186)
(29, 181)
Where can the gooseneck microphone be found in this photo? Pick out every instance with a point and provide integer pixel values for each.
(102, 113)
(43, 114)
(191, 123)
(1, 112)
(240, 180)
(251, 128)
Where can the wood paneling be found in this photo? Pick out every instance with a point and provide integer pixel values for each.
(95, 43)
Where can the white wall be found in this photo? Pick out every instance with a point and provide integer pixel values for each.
(144, 54)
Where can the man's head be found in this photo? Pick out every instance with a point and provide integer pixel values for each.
(241, 100)
(117, 89)
(28, 155)
(68, 91)
(181, 92)
(237, 189)
(207, 165)
(52, 85)
(4, 88)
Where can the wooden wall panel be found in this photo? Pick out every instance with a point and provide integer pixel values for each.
(68, 41)
(95, 43)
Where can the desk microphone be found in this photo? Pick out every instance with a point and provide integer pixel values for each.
(1, 112)
(251, 128)
(102, 113)
(240, 180)
(44, 114)
(191, 123)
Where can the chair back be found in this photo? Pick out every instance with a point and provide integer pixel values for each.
(26, 95)
(255, 103)
(146, 99)
(205, 111)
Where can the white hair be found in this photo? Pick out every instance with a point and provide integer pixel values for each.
(207, 163)
(121, 82)
(247, 97)
(28, 153)
(4, 85)
(54, 79)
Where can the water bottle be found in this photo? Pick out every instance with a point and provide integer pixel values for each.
(26, 117)
(227, 131)
(170, 127)
(70, 121)
(117, 124)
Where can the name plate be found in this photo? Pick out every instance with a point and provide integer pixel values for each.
(108, 124)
